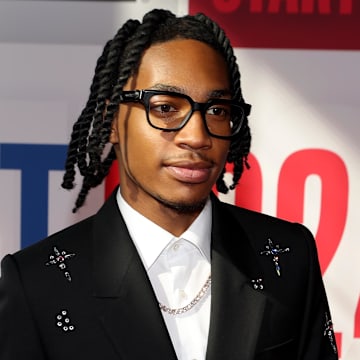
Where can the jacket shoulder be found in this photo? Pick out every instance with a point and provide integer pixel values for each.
(253, 217)
(259, 228)
(72, 236)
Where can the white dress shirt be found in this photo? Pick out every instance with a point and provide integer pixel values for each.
(178, 268)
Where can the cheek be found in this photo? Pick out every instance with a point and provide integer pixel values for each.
(142, 149)
(222, 149)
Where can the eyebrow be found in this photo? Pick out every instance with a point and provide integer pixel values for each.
(165, 87)
(213, 94)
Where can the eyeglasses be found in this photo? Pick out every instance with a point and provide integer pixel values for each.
(170, 111)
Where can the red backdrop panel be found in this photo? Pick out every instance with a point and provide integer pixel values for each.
(300, 24)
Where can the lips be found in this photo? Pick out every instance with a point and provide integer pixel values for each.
(193, 173)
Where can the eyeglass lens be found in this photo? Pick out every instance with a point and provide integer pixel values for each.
(170, 112)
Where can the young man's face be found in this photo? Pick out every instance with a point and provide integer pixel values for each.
(176, 169)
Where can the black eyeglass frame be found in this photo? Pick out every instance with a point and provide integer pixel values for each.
(143, 96)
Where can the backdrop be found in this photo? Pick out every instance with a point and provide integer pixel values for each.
(300, 63)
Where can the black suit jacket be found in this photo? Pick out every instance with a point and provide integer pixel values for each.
(109, 311)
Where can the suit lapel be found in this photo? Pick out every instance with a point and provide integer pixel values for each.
(125, 300)
(127, 307)
(236, 308)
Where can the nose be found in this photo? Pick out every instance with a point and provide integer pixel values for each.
(194, 134)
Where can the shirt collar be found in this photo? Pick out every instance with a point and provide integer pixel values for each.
(150, 239)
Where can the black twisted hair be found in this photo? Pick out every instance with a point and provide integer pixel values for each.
(120, 60)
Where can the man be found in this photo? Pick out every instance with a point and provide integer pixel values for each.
(165, 270)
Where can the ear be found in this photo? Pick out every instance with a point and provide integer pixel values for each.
(114, 134)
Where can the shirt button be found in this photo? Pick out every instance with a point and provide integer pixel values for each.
(176, 246)
(182, 294)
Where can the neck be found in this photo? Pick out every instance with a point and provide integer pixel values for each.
(172, 217)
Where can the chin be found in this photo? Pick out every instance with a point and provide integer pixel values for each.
(183, 207)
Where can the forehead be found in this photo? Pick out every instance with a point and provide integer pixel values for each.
(190, 65)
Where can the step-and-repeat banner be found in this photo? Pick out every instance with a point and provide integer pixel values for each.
(300, 66)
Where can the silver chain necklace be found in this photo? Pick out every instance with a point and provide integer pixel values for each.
(192, 303)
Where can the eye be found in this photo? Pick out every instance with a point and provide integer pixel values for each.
(222, 111)
(162, 108)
